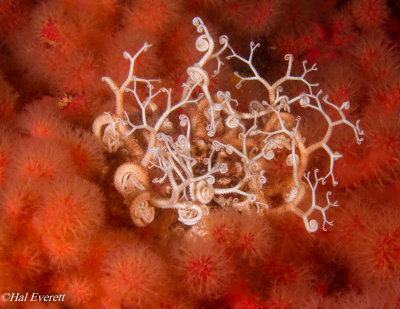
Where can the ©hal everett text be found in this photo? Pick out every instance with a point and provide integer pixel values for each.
(31, 297)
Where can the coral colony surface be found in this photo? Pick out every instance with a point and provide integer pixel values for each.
(180, 154)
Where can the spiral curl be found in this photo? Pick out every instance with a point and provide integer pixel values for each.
(202, 43)
(311, 226)
(204, 192)
(198, 76)
(130, 177)
(232, 122)
(190, 216)
(141, 212)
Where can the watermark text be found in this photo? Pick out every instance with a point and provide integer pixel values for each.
(32, 297)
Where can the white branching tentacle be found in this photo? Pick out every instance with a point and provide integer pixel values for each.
(228, 166)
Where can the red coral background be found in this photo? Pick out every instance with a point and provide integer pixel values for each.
(64, 229)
